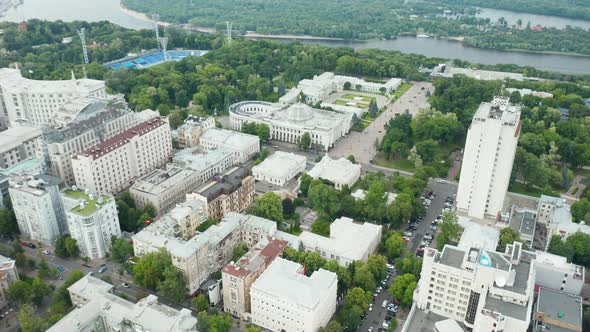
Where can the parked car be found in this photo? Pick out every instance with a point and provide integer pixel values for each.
(370, 329)
(103, 269)
(46, 252)
(396, 302)
(125, 285)
(433, 227)
(32, 246)
(427, 237)
(379, 289)
(384, 304)
(407, 239)
(61, 268)
(408, 233)
(24, 243)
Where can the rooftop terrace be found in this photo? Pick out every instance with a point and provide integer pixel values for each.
(91, 203)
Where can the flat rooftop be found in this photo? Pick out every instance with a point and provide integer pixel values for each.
(11, 79)
(91, 203)
(506, 308)
(280, 164)
(229, 138)
(523, 221)
(452, 257)
(559, 307)
(15, 136)
(335, 170)
(224, 184)
(498, 109)
(160, 180)
(286, 280)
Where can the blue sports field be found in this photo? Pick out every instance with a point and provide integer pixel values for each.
(146, 60)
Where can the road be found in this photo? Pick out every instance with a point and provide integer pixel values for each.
(376, 317)
(362, 145)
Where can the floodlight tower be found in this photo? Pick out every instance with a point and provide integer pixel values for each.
(228, 25)
(163, 42)
(81, 33)
(156, 18)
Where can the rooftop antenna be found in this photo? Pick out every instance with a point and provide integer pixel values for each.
(81, 33)
(156, 18)
(229, 25)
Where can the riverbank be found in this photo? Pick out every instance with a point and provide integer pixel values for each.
(141, 16)
(252, 34)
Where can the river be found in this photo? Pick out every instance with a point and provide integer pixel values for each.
(543, 20)
(96, 10)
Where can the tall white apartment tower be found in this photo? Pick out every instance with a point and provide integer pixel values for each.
(488, 157)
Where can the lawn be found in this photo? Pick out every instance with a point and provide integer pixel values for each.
(520, 189)
(401, 90)
(401, 164)
(352, 96)
(360, 125)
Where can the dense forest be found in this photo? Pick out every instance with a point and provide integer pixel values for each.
(367, 19)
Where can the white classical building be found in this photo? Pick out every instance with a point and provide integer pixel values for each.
(98, 309)
(243, 145)
(112, 165)
(82, 123)
(349, 241)
(283, 298)
(340, 172)
(288, 123)
(26, 101)
(445, 71)
(279, 168)
(38, 207)
(321, 86)
(18, 144)
(487, 161)
(92, 221)
(487, 290)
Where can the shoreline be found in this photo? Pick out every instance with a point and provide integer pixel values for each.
(252, 34)
(141, 16)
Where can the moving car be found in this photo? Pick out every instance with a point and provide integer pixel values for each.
(103, 269)
(125, 285)
(46, 252)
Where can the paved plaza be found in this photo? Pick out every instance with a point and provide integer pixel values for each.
(362, 144)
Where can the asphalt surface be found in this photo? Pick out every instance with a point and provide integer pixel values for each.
(376, 317)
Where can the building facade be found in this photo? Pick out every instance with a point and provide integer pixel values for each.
(36, 201)
(232, 191)
(487, 161)
(199, 254)
(341, 172)
(284, 299)
(112, 165)
(192, 129)
(243, 145)
(237, 277)
(92, 221)
(18, 144)
(26, 101)
(344, 232)
(279, 168)
(288, 123)
(81, 124)
(8, 275)
(98, 309)
(164, 188)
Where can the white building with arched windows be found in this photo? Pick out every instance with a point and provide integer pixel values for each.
(288, 123)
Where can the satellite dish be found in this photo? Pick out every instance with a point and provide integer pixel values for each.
(500, 281)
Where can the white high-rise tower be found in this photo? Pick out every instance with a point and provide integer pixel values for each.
(488, 158)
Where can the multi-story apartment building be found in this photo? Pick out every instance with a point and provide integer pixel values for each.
(26, 101)
(205, 163)
(237, 277)
(192, 129)
(112, 165)
(164, 188)
(82, 123)
(8, 275)
(38, 207)
(98, 309)
(92, 221)
(279, 168)
(344, 232)
(198, 255)
(18, 144)
(487, 290)
(283, 298)
(243, 145)
(487, 161)
(4, 186)
(232, 191)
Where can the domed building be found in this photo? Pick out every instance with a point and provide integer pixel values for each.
(288, 123)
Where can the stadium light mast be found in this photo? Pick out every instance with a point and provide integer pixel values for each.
(163, 42)
(228, 25)
(156, 18)
(81, 33)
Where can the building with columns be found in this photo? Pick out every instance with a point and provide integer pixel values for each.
(288, 123)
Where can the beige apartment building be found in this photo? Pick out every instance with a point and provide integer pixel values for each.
(237, 277)
(192, 129)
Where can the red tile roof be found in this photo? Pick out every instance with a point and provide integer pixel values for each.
(271, 251)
